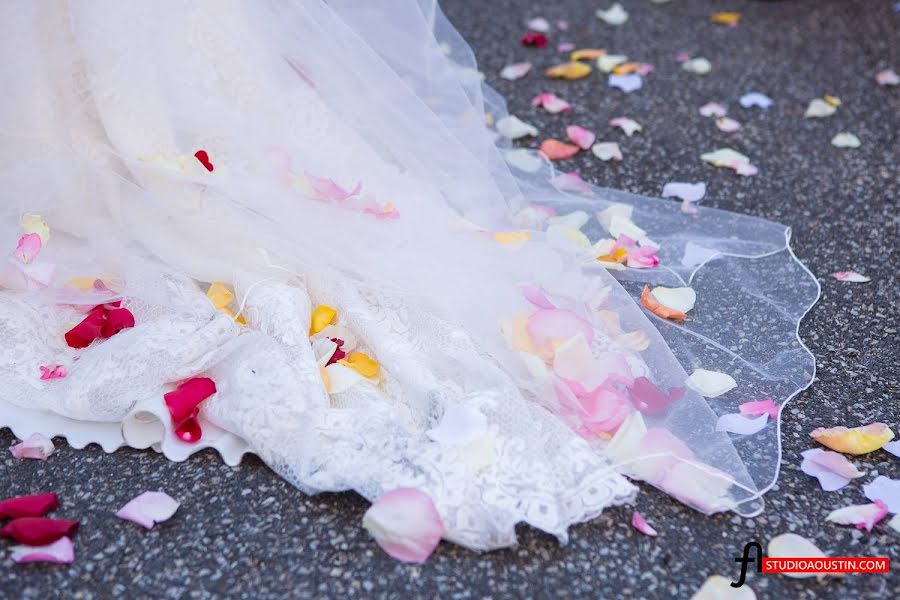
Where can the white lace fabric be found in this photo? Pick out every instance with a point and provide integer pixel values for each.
(276, 92)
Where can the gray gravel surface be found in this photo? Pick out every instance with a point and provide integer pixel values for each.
(245, 533)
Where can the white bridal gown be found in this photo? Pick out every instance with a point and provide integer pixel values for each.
(514, 369)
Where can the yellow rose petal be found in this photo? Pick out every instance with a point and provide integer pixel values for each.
(587, 54)
(361, 363)
(725, 18)
(219, 295)
(35, 224)
(858, 440)
(626, 68)
(512, 237)
(569, 70)
(832, 100)
(322, 316)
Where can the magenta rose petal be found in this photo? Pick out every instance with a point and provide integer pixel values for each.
(36, 505)
(116, 320)
(149, 508)
(182, 401)
(62, 551)
(405, 523)
(87, 331)
(38, 531)
(640, 523)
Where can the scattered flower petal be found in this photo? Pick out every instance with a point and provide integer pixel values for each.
(756, 99)
(614, 15)
(608, 62)
(650, 399)
(148, 509)
(727, 125)
(62, 552)
(515, 71)
(548, 327)
(607, 151)
(183, 405)
(717, 587)
(629, 126)
(322, 316)
(893, 448)
(731, 19)
(861, 516)
(859, 440)
(713, 109)
(362, 363)
(700, 66)
(845, 140)
(894, 523)
(692, 192)
(627, 83)
(651, 304)
(758, 407)
(556, 150)
(38, 446)
(36, 505)
(884, 489)
(887, 77)
(524, 160)
(681, 299)
(791, 545)
(572, 182)
(38, 531)
(534, 39)
(551, 103)
(832, 470)
(565, 47)
(35, 224)
(103, 321)
(731, 159)
(513, 127)
(203, 157)
(640, 523)
(570, 70)
(818, 108)
(851, 276)
(580, 136)
(741, 425)
(575, 219)
(405, 523)
(539, 24)
(460, 425)
(53, 372)
(587, 54)
(28, 248)
(711, 384)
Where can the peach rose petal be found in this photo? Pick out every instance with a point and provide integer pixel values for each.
(654, 306)
(587, 54)
(727, 125)
(556, 150)
(406, 524)
(37, 446)
(640, 523)
(148, 509)
(858, 440)
(861, 516)
(791, 545)
(61, 552)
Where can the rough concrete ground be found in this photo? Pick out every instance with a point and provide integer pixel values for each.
(246, 533)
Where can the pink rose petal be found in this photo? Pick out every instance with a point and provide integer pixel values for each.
(756, 408)
(535, 295)
(886, 490)
(406, 524)
(551, 103)
(54, 372)
(38, 446)
(62, 551)
(605, 409)
(36, 505)
(832, 470)
(28, 248)
(327, 190)
(861, 516)
(640, 523)
(580, 136)
(643, 257)
(651, 400)
(851, 276)
(547, 326)
(149, 508)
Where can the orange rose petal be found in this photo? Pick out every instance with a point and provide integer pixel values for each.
(726, 18)
(587, 54)
(626, 68)
(556, 150)
(654, 306)
(569, 70)
(362, 363)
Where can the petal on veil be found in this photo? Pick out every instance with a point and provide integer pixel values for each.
(28, 248)
(547, 326)
(322, 316)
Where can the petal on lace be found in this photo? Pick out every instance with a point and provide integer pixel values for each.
(36, 505)
(337, 353)
(710, 383)
(405, 523)
(861, 516)
(569, 70)
(651, 400)
(886, 490)
(37, 446)
(148, 509)
(203, 157)
(556, 150)
(115, 321)
(832, 470)
(851, 276)
(332, 332)
(740, 424)
(184, 400)
(580, 136)
(791, 545)
(515, 71)
(859, 440)
(62, 551)
(38, 531)
(758, 407)
(640, 523)
(460, 425)
(324, 349)
(605, 409)
(654, 306)
(52, 372)
(362, 363)
(35, 224)
(341, 377)
(322, 316)
(28, 248)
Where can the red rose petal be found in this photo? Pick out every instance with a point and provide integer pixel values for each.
(338, 352)
(534, 39)
(183, 401)
(189, 431)
(117, 319)
(203, 157)
(37, 505)
(38, 531)
(87, 331)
